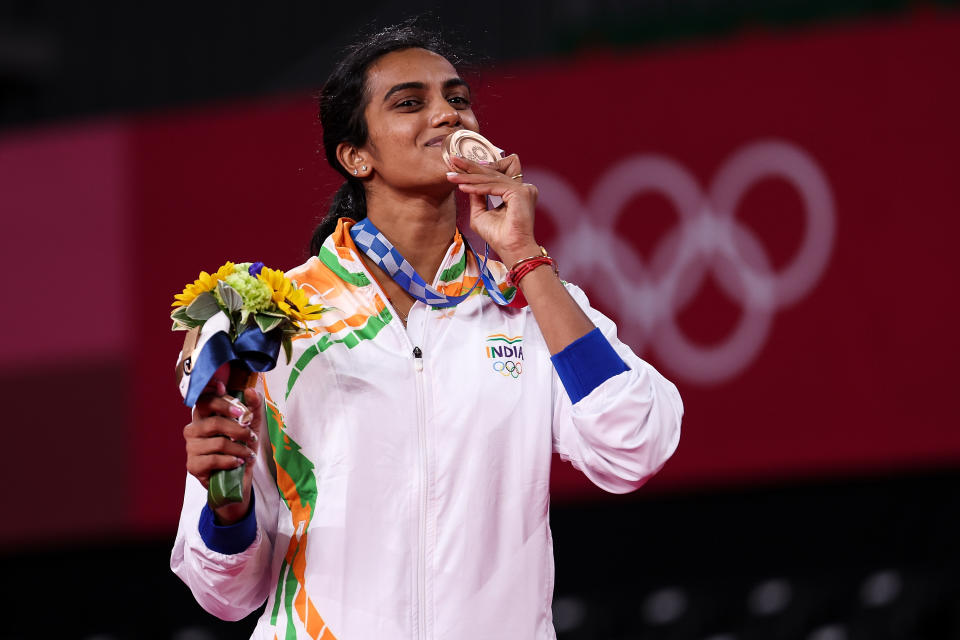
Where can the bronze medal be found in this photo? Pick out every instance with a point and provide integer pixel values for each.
(469, 145)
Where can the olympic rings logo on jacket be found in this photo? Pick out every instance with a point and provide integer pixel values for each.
(508, 368)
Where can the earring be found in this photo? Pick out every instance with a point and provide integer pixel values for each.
(355, 172)
(363, 168)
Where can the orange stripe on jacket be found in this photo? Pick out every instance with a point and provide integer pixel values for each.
(296, 550)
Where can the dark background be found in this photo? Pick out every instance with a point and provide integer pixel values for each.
(834, 549)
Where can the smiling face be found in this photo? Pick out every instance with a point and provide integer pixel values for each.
(415, 100)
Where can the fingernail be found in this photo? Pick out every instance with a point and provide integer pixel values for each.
(451, 173)
(253, 437)
(239, 462)
(253, 456)
(235, 411)
(484, 163)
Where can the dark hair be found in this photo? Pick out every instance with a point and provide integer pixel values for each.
(342, 103)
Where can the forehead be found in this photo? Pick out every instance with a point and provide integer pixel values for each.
(408, 65)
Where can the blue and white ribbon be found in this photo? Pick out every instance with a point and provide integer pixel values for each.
(253, 349)
(372, 242)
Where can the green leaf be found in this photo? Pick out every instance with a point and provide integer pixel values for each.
(180, 317)
(244, 316)
(287, 347)
(203, 307)
(226, 486)
(231, 299)
(266, 322)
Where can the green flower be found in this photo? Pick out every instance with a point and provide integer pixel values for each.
(256, 295)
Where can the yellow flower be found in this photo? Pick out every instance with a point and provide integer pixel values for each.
(278, 283)
(292, 301)
(206, 282)
(300, 308)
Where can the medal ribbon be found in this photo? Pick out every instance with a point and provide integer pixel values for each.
(372, 242)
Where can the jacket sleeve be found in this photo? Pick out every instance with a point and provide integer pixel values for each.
(228, 585)
(623, 430)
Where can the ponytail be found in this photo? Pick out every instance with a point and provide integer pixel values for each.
(350, 201)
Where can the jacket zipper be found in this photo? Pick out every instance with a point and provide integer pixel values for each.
(422, 435)
(422, 542)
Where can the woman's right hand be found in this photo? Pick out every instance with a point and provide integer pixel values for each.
(215, 440)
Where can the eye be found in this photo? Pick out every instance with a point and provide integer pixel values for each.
(461, 102)
(408, 103)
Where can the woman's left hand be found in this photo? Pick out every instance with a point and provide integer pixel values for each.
(508, 229)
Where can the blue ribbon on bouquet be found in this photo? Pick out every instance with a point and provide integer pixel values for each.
(375, 245)
(254, 349)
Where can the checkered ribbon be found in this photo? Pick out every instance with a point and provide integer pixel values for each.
(373, 243)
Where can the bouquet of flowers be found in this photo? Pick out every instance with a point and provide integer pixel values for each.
(242, 314)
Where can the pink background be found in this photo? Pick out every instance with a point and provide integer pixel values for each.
(856, 375)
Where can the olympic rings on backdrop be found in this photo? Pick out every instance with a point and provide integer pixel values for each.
(649, 294)
(508, 368)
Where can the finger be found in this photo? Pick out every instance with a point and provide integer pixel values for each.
(469, 166)
(478, 203)
(478, 178)
(208, 405)
(254, 400)
(226, 406)
(510, 165)
(216, 426)
(503, 189)
(226, 426)
(218, 446)
(509, 188)
(203, 466)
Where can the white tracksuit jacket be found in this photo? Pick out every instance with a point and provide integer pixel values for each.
(403, 497)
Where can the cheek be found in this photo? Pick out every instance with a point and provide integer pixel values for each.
(392, 142)
(469, 121)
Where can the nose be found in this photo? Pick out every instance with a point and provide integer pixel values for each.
(445, 115)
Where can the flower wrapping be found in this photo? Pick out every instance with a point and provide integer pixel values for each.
(241, 315)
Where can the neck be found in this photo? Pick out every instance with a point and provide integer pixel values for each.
(421, 228)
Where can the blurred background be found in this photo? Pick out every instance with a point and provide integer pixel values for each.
(761, 193)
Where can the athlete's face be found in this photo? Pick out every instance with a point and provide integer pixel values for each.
(416, 99)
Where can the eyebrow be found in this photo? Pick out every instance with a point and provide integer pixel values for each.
(403, 86)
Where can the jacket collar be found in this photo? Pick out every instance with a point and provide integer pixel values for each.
(458, 269)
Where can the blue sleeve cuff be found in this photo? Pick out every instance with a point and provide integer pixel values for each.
(586, 363)
(232, 538)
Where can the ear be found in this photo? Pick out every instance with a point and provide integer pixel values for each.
(353, 160)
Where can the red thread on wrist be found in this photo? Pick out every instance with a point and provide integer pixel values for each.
(525, 266)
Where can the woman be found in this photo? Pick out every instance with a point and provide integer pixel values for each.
(402, 487)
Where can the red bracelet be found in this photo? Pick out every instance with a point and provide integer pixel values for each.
(526, 265)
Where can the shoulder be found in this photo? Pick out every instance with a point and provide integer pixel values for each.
(302, 272)
(336, 271)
